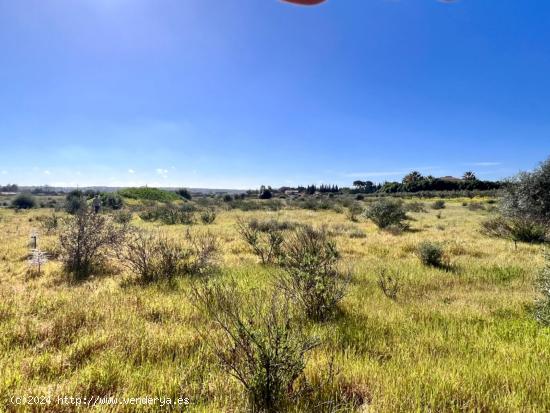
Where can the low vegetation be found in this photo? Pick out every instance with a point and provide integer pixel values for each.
(149, 194)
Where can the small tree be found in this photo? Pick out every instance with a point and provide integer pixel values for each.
(469, 176)
(389, 283)
(258, 344)
(112, 201)
(385, 212)
(24, 201)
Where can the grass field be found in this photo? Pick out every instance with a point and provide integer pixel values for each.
(458, 339)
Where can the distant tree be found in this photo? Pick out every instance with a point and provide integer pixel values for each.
(469, 176)
(9, 188)
(359, 185)
(184, 193)
(265, 193)
(24, 201)
(412, 177)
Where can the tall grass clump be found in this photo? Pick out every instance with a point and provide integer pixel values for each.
(259, 344)
(311, 276)
(386, 212)
(155, 256)
(439, 204)
(85, 243)
(208, 216)
(542, 306)
(390, 283)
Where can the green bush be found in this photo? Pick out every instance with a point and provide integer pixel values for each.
(75, 202)
(439, 204)
(385, 212)
(149, 194)
(516, 229)
(112, 201)
(259, 344)
(23, 201)
(311, 275)
(430, 253)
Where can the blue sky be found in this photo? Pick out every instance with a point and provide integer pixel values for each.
(239, 93)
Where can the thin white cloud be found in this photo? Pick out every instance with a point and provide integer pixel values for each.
(375, 173)
(131, 171)
(4, 172)
(485, 164)
(162, 172)
(46, 172)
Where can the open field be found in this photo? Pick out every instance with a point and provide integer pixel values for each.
(458, 339)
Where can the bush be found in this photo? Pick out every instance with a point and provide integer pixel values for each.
(170, 214)
(311, 276)
(49, 223)
(264, 238)
(354, 211)
(259, 345)
(439, 204)
(23, 201)
(208, 216)
(184, 193)
(415, 206)
(542, 305)
(112, 201)
(154, 257)
(516, 229)
(75, 202)
(389, 283)
(430, 253)
(122, 217)
(385, 212)
(85, 243)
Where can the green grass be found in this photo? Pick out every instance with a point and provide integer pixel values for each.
(456, 339)
(149, 194)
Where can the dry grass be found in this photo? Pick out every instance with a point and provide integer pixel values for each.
(456, 339)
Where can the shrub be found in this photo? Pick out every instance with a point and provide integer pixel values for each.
(354, 211)
(475, 206)
(439, 204)
(430, 253)
(260, 345)
(389, 283)
(24, 201)
(75, 202)
(311, 275)
(542, 305)
(184, 193)
(49, 223)
(415, 206)
(85, 243)
(385, 212)
(208, 216)
(265, 240)
(516, 229)
(153, 257)
(122, 217)
(112, 201)
(170, 214)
